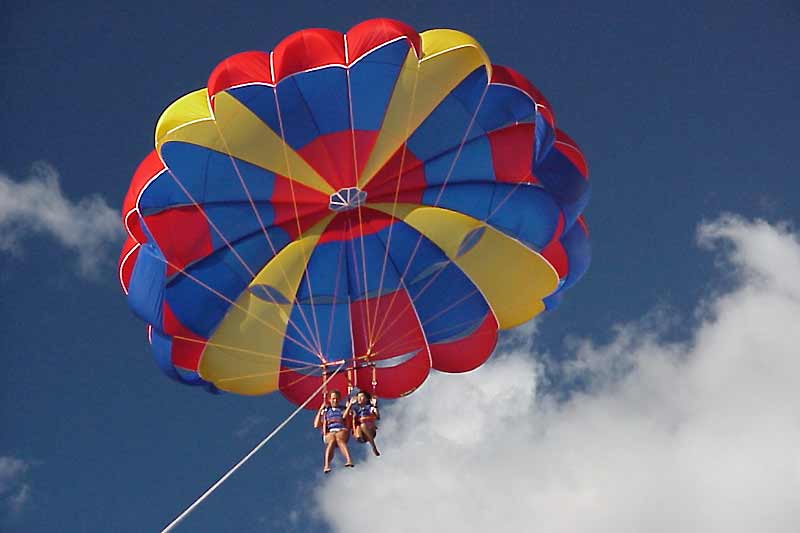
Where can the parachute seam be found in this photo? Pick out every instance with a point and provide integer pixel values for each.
(122, 266)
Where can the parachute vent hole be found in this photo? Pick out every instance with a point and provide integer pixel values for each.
(347, 199)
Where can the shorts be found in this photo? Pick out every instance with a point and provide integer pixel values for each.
(334, 430)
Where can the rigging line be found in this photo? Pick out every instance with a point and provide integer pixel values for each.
(382, 328)
(428, 284)
(297, 215)
(425, 287)
(258, 217)
(354, 263)
(397, 187)
(304, 376)
(439, 313)
(461, 145)
(433, 278)
(332, 164)
(443, 186)
(446, 151)
(504, 200)
(264, 374)
(355, 176)
(241, 308)
(452, 305)
(500, 204)
(227, 242)
(443, 330)
(237, 349)
(261, 444)
(366, 283)
(352, 117)
(335, 293)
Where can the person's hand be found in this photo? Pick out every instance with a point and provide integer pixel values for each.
(373, 402)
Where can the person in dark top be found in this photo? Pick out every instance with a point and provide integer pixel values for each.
(366, 415)
(331, 418)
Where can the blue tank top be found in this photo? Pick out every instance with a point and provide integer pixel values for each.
(334, 418)
(362, 411)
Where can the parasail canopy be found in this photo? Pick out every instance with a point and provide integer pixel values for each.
(383, 199)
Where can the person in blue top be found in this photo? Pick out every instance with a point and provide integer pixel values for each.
(366, 414)
(331, 418)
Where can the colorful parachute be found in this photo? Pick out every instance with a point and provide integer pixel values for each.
(381, 200)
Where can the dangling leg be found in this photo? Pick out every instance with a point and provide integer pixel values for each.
(330, 442)
(341, 441)
(369, 434)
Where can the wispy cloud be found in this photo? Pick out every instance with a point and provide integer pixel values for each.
(38, 206)
(15, 490)
(693, 436)
(248, 425)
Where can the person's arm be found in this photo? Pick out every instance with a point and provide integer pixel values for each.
(318, 417)
(349, 404)
(374, 402)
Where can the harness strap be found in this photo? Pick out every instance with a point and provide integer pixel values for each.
(349, 381)
(324, 397)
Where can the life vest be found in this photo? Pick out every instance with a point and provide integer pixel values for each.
(364, 414)
(334, 418)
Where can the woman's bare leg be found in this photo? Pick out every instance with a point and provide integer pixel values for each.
(359, 435)
(341, 441)
(330, 441)
(369, 434)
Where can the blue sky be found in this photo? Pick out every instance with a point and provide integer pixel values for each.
(684, 113)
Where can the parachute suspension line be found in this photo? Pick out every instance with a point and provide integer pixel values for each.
(335, 292)
(373, 334)
(350, 108)
(518, 184)
(436, 275)
(505, 199)
(294, 204)
(382, 327)
(234, 304)
(324, 383)
(442, 188)
(350, 381)
(400, 339)
(366, 283)
(352, 373)
(219, 232)
(353, 260)
(261, 444)
(260, 222)
(244, 350)
(263, 374)
(301, 378)
(461, 144)
(428, 284)
(355, 175)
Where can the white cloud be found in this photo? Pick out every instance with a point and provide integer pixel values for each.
(697, 436)
(38, 206)
(15, 491)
